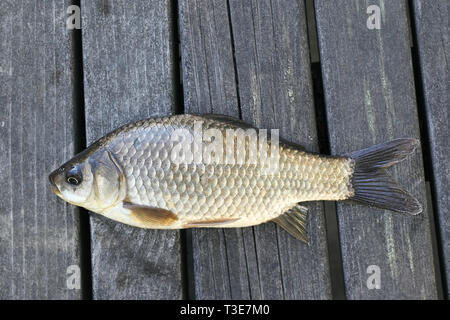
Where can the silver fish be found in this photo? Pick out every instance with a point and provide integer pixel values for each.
(138, 175)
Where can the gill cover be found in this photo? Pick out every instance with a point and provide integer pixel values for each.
(109, 183)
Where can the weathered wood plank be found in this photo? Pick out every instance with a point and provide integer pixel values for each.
(39, 233)
(370, 98)
(127, 51)
(432, 31)
(274, 91)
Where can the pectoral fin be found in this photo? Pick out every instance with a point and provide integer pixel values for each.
(294, 222)
(150, 217)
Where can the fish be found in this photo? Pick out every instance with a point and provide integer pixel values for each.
(215, 171)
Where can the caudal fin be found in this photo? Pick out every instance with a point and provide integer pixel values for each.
(372, 184)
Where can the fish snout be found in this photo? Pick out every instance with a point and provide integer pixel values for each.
(54, 178)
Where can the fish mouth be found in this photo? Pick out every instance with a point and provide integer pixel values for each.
(53, 186)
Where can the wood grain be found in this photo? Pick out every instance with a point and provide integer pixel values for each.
(370, 98)
(128, 75)
(431, 21)
(39, 233)
(250, 58)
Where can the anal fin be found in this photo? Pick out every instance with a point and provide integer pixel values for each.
(294, 222)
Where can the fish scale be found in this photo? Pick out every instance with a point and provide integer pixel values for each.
(137, 175)
(216, 191)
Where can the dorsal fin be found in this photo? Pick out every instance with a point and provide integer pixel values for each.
(228, 119)
(242, 124)
(294, 221)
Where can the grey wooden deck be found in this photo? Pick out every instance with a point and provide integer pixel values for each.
(313, 70)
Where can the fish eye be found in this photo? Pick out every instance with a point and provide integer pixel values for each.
(73, 176)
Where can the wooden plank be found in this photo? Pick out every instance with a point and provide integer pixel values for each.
(39, 233)
(431, 20)
(370, 98)
(274, 91)
(128, 75)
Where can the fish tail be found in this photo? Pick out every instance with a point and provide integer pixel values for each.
(372, 184)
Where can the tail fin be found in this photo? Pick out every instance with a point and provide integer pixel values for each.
(372, 184)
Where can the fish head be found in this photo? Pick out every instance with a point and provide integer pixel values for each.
(92, 180)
